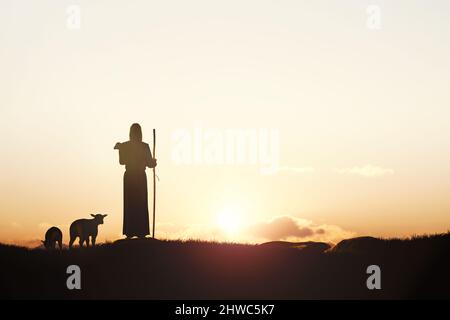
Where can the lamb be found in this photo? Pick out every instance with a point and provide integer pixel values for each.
(52, 236)
(85, 228)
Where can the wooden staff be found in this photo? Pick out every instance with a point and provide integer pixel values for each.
(154, 182)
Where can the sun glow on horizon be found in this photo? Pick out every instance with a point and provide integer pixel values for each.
(229, 219)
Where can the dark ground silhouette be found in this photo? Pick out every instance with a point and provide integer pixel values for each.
(150, 269)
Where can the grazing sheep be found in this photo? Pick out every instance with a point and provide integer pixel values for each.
(52, 236)
(85, 228)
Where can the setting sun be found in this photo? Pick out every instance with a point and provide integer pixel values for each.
(229, 220)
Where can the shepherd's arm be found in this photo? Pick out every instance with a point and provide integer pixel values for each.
(121, 155)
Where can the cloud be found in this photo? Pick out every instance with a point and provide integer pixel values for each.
(35, 243)
(368, 171)
(295, 229)
(280, 228)
(297, 170)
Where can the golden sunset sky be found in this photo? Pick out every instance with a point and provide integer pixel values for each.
(360, 116)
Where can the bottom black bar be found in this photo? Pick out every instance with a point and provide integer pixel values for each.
(228, 309)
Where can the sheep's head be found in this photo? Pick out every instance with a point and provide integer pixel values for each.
(99, 218)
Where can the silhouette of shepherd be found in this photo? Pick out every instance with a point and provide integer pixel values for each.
(136, 156)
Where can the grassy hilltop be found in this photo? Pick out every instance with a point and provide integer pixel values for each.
(147, 269)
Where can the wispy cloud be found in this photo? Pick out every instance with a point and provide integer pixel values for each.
(281, 228)
(368, 171)
(297, 170)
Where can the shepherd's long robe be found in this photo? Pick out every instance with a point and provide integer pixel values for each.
(136, 156)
